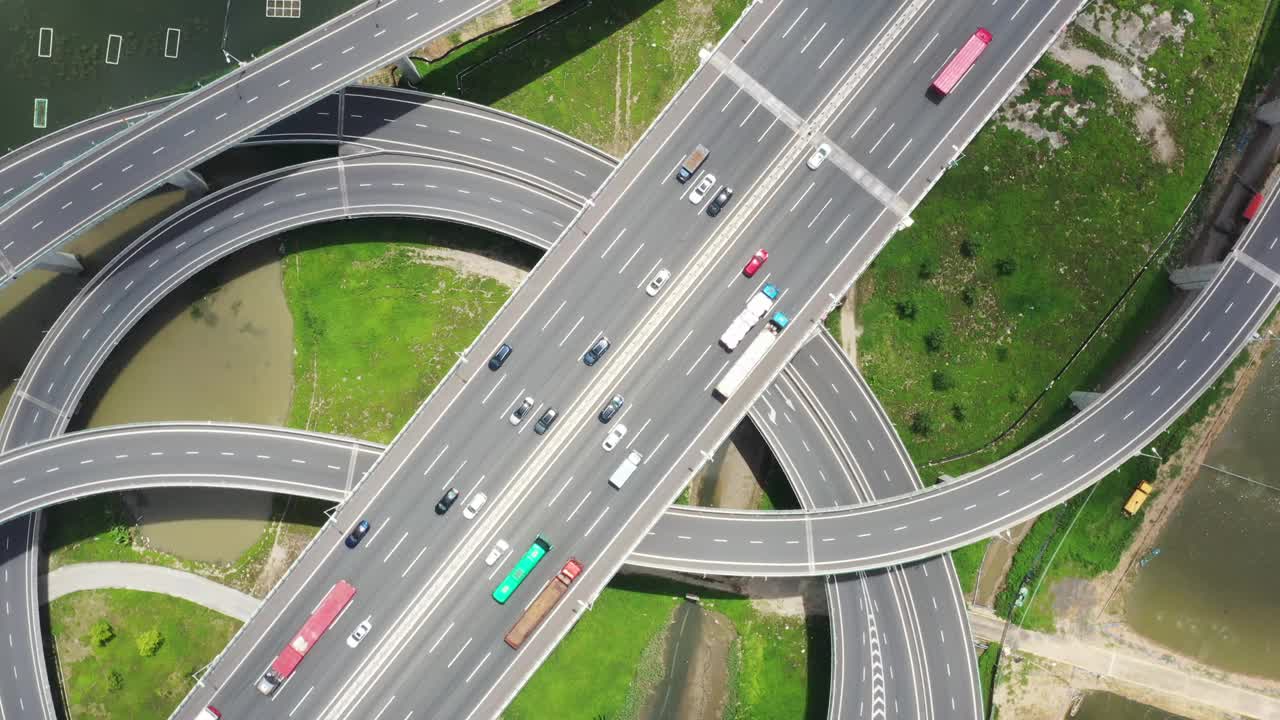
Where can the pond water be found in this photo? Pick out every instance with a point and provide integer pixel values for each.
(220, 348)
(1211, 592)
(1106, 706)
(76, 78)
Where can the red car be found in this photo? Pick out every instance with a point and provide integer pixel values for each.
(755, 262)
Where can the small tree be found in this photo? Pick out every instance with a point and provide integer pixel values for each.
(1006, 267)
(957, 412)
(906, 309)
(968, 297)
(115, 681)
(933, 341)
(101, 633)
(928, 268)
(942, 381)
(921, 424)
(970, 248)
(149, 642)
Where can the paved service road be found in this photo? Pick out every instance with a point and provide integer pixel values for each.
(208, 120)
(421, 565)
(901, 640)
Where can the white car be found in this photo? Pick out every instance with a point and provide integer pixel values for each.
(517, 415)
(699, 192)
(477, 501)
(818, 156)
(655, 285)
(611, 440)
(499, 549)
(358, 634)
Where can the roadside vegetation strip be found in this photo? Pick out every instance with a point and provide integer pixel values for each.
(987, 661)
(777, 664)
(1100, 535)
(115, 680)
(601, 75)
(1023, 246)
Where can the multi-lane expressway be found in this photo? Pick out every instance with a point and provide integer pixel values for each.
(199, 125)
(550, 485)
(119, 295)
(899, 635)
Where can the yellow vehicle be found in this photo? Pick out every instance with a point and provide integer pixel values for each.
(1136, 500)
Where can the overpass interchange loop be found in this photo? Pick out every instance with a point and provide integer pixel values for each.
(133, 277)
(1243, 293)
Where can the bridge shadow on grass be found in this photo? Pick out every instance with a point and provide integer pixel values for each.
(494, 66)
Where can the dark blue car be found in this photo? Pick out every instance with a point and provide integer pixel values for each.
(357, 533)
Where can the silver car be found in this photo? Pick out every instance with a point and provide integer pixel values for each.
(358, 634)
(517, 415)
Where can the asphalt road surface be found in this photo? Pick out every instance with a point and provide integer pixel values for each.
(554, 486)
(285, 80)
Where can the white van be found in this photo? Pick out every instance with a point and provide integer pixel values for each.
(628, 466)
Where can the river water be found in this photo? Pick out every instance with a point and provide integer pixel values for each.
(1211, 592)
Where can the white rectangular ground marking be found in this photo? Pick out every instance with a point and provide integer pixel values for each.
(44, 48)
(114, 43)
(40, 114)
(284, 8)
(172, 39)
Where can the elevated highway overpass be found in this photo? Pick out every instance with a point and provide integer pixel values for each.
(775, 192)
(228, 461)
(341, 51)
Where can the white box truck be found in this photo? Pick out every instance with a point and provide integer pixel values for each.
(757, 306)
(624, 471)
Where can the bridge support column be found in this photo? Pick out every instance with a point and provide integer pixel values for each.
(409, 70)
(190, 181)
(60, 262)
(1269, 114)
(1194, 277)
(1083, 399)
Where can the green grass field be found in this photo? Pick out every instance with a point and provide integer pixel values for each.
(601, 74)
(779, 665)
(376, 326)
(1021, 249)
(987, 671)
(115, 682)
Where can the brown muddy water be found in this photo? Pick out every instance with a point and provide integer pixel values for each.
(1106, 706)
(1211, 592)
(219, 348)
(696, 658)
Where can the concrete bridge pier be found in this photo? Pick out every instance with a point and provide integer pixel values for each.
(60, 262)
(1083, 399)
(409, 70)
(1194, 277)
(190, 181)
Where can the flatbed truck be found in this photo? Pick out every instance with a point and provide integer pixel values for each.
(542, 605)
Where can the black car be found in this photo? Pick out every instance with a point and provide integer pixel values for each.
(545, 422)
(447, 501)
(500, 357)
(357, 533)
(611, 409)
(721, 199)
(596, 352)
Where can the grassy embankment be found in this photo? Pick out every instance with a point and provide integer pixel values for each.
(1021, 249)
(778, 666)
(115, 680)
(987, 672)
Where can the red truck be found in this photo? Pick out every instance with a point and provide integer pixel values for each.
(335, 601)
(955, 69)
(537, 611)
